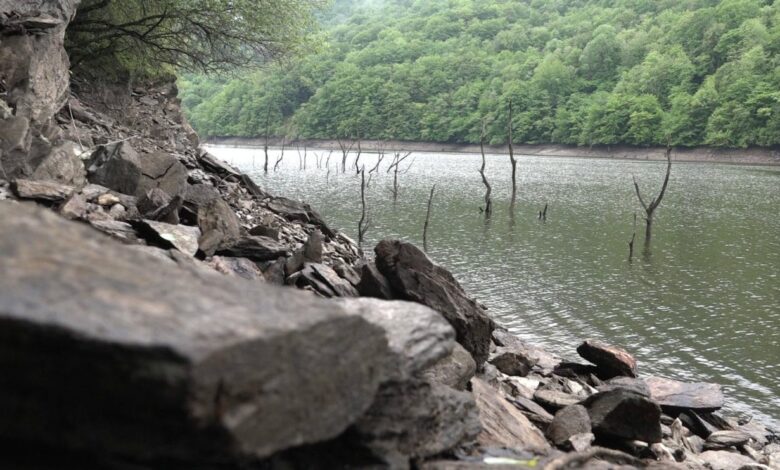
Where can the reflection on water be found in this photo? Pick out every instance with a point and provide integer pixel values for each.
(705, 306)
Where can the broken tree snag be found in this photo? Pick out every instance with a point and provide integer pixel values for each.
(364, 219)
(395, 167)
(631, 243)
(265, 147)
(512, 156)
(345, 149)
(281, 155)
(380, 157)
(650, 208)
(428, 219)
(543, 213)
(357, 158)
(488, 189)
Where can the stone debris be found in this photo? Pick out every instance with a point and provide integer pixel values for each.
(156, 317)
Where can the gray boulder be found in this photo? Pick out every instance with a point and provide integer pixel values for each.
(415, 277)
(454, 370)
(568, 422)
(612, 361)
(62, 165)
(119, 167)
(412, 417)
(681, 395)
(219, 226)
(159, 364)
(373, 283)
(624, 414)
(42, 190)
(503, 425)
(254, 248)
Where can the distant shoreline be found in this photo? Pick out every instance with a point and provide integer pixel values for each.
(749, 156)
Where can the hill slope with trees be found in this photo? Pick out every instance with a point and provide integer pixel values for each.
(581, 72)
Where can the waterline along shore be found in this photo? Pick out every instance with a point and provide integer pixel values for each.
(749, 156)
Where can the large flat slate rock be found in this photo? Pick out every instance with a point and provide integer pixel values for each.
(685, 395)
(104, 347)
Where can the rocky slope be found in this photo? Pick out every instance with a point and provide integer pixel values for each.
(149, 317)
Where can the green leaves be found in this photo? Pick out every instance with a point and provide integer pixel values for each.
(584, 72)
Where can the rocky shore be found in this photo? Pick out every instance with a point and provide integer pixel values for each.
(158, 310)
(748, 156)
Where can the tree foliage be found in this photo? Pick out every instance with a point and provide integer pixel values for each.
(195, 35)
(580, 72)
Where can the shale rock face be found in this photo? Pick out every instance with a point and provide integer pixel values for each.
(415, 277)
(35, 78)
(158, 364)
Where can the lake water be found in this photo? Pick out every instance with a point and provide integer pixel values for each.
(704, 306)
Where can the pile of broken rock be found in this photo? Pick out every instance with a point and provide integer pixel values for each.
(142, 322)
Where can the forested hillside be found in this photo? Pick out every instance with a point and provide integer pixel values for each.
(585, 72)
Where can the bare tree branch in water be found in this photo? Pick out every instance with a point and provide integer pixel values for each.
(488, 189)
(357, 158)
(631, 243)
(380, 157)
(395, 167)
(265, 147)
(654, 203)
(428, 219)
(345, 149)
(281, 154)
(365, 221)
(512, 157)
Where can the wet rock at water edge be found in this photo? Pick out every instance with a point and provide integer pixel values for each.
(635, 385)
(511, 361)
(611, 360)
(503, 425)
(455, 370)
(543, 359)
(172, 354)
(681, 395)
(725, 460)
(568, 422)
(625, 415)
(415, 277)
(50, 191)
(725, 439)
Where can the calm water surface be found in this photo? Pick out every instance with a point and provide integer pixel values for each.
(704, 306)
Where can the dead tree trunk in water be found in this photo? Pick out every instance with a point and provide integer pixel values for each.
(364, 223)
(344, 152)
(267, 131)
(631, 243)
(428, 219)
(357, 159)
(650, 208)
(512, 158)
(488, 188)
(396, 168)
(543, 213)
(281, 155)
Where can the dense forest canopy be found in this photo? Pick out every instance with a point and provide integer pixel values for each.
(584, 72)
